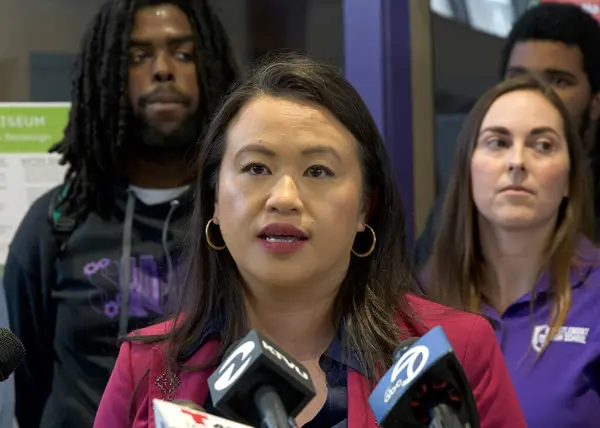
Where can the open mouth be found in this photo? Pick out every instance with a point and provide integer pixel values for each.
(282, 238)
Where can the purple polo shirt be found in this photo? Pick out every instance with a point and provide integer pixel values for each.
(560, 388)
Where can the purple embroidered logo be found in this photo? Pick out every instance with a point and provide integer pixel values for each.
(147, 291)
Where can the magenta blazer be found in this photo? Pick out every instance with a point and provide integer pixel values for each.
(141, 374)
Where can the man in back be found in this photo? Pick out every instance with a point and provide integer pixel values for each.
(98, 256)
(558, 43)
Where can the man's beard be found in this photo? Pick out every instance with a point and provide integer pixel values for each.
(150, 144)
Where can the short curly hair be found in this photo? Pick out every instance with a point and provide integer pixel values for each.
(565, 23)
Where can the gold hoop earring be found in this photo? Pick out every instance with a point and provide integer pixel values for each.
(208, 240)
(368, 253)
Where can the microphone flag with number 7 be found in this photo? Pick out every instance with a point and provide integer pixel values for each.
(169, 415)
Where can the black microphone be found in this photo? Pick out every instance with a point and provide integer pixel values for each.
(12, 353)
(426, 387)
(259, 384)
(403, 347)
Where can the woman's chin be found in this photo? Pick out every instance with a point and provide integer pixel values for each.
(281, 276)
(517, 222)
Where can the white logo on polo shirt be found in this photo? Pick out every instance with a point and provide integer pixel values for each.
(566, 334)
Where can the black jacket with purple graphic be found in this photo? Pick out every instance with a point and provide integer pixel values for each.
(70, 305)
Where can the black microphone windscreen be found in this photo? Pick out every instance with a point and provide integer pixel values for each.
(231, 348)
(12, 353)
(250, 364)
(425, 384)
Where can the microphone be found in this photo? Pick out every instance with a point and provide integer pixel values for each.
(403, 347)
(259, 384)
(12, 353)
(172, 415)
(189, 404)
(426, 386)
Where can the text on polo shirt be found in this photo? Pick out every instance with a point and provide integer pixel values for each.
(565, 334)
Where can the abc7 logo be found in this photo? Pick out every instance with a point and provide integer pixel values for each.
(228, 371)
(411, 363)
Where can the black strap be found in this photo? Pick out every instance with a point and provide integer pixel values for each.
(61, 228)
(62, 223)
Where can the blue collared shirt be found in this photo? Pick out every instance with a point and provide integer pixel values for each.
(334, 363)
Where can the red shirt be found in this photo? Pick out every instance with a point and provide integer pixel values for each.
(140, 374)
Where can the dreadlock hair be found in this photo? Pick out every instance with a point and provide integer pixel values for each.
(557, 22)
(95, 135)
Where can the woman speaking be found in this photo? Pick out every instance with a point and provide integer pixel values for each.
(298, 233)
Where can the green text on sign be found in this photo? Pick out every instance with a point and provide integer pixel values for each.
(31, 127)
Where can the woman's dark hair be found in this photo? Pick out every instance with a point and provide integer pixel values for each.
(96, 133)
(456, 270)
(372, 293)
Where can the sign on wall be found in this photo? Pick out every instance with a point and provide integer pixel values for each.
(27, 170)
(590, 6)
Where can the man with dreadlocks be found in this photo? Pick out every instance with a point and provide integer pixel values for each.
(96, 257)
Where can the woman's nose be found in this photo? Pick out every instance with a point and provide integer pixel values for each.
(284, 197)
